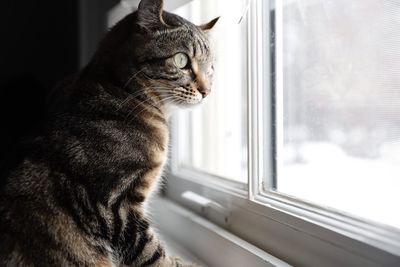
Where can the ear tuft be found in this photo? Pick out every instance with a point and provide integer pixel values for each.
(208, 26)
(149, 14)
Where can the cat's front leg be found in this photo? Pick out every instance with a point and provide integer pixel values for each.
(148, 251)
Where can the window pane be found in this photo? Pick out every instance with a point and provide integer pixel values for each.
(341, 105)
(213, 137)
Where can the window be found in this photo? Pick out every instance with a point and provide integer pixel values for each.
(341, 98)
(296, 147)
(213, 137)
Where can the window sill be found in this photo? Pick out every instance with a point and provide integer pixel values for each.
(298, 237)
(175, 249)
(205, 240)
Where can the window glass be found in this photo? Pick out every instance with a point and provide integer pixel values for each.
(341, 105)
(213, 136)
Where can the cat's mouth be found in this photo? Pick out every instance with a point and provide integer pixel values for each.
(182, 97)
(189, 100)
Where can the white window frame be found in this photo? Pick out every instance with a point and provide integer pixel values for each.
(291, 229)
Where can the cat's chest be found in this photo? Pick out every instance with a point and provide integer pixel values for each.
(158, 149)
(158, 153)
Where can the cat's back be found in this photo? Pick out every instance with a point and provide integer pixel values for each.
(25, 205)
(55, 179)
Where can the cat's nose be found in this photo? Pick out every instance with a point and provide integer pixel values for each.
(203, 84)
(204, 90)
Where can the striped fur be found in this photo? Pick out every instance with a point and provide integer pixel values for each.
(74, 194)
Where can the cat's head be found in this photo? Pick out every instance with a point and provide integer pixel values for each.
(169, 57)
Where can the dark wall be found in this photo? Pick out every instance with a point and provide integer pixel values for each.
(92, 26)
(41, 43)
(39, 39)
(38, 47)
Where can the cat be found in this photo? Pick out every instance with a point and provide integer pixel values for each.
(75, 194)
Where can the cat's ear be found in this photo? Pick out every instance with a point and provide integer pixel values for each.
(209, 25)
(149, 14)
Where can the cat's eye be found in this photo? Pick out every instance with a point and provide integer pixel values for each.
(181, 60)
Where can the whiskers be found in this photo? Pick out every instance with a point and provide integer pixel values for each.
(134, 75)
(144, 104)
(156, 96)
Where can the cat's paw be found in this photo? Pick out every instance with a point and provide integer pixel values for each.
(180, 263)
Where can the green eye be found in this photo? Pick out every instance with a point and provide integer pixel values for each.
(181, 60)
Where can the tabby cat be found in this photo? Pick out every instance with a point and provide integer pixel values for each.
(75, 194)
